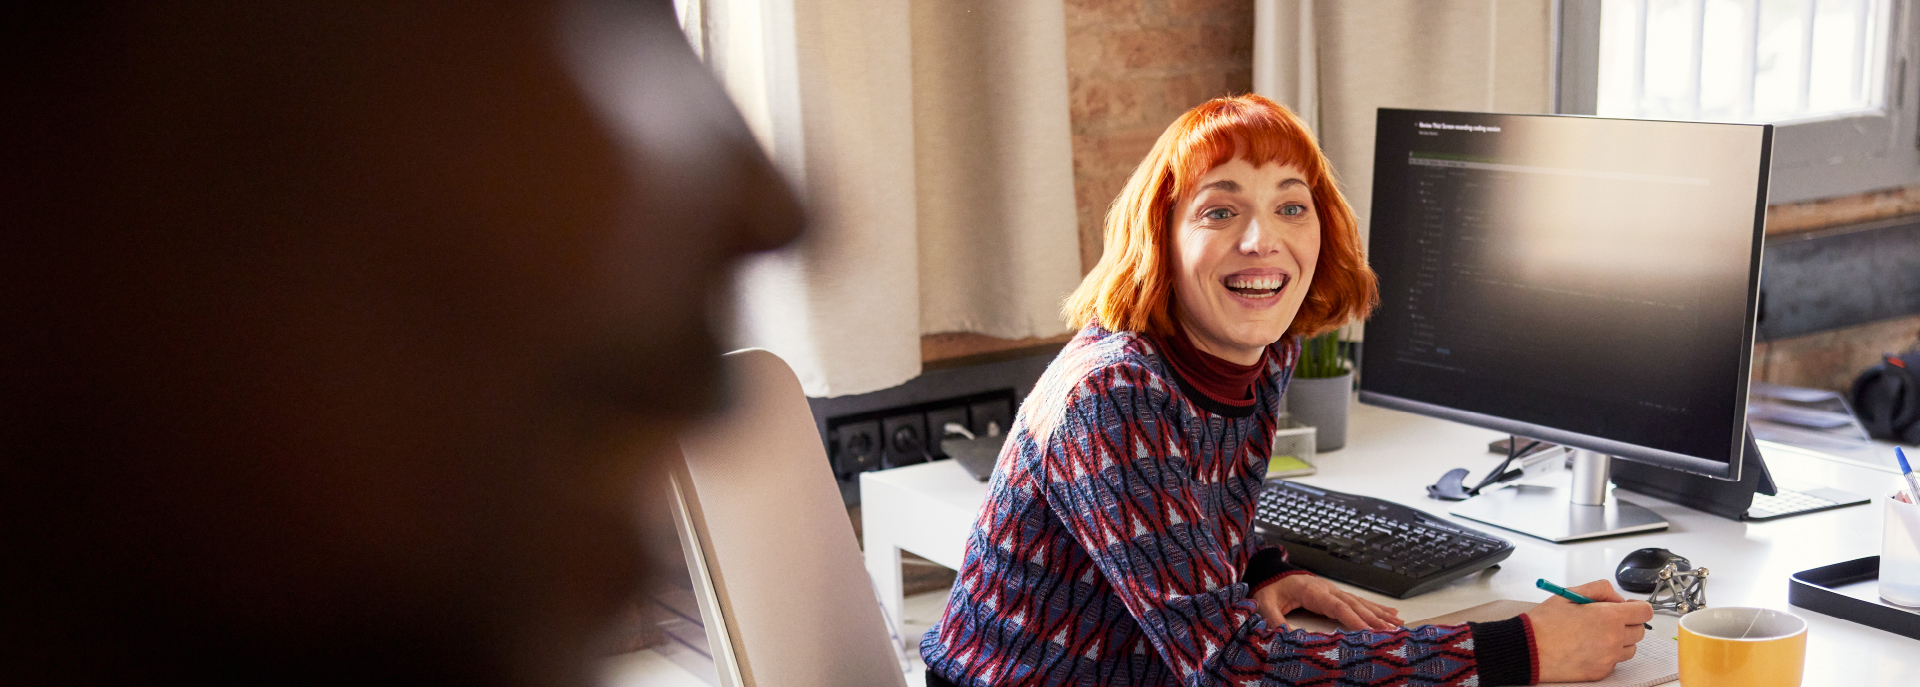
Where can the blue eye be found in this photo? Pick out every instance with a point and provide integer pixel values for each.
(1293, 209)
(1218, 213)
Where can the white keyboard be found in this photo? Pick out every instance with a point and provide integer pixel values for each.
(1789, 502)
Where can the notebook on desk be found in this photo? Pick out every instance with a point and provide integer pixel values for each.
(1657, 662)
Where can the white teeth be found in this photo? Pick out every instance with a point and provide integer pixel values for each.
(1257, 283)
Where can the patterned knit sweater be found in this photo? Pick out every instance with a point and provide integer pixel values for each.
(1115, 540)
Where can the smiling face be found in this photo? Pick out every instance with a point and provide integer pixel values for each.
(1244, 247)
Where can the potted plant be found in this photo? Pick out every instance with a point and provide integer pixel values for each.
(1322, 387)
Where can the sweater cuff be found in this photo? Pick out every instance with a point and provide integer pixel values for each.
(1265, 566)
(1503, 652)
(1533, 649)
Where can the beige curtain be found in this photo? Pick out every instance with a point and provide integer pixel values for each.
(999, 248)
(1344, 59)
(1286, 57)
(930, 139)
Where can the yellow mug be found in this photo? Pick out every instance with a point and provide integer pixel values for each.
(1742, 647)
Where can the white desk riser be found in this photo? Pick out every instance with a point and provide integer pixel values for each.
(929, 510)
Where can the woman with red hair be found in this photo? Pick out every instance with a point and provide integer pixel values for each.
(1116, 544)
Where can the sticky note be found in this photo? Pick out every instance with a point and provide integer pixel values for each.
(1281, 465)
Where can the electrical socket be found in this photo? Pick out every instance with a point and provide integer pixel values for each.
(937, 427)
(856, 448)
(905, 440)
(997, 412)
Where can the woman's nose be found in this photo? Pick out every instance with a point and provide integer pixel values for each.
(1261, 237)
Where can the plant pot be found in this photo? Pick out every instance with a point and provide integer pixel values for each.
(1322, 403)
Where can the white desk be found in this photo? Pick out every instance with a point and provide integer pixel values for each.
(929, 509)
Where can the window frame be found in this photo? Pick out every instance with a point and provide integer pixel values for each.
(1813, 158)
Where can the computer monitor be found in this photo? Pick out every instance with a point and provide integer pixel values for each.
(1585, 281)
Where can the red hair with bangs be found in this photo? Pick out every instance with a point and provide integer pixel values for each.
(1131, 288)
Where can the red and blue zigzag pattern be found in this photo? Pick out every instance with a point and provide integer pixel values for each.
(1111, 545)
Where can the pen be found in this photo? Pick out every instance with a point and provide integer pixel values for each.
(1913, 483)
(1571, 595)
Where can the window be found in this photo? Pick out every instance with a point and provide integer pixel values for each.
(1741, 60)
(1832, 75)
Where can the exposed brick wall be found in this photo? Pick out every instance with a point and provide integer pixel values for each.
(1132, 67)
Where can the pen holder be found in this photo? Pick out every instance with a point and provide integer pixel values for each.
(1900, 553)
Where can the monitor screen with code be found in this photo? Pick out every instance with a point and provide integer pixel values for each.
(1587, 281)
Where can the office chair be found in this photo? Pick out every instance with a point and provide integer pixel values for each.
(776, 567)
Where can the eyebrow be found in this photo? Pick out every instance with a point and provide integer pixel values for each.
(1231, 186)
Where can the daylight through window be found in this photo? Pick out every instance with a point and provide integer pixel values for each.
(1741, 60)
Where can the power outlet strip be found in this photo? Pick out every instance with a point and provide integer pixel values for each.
(910, 435)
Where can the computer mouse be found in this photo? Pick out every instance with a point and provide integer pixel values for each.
(1640, 571)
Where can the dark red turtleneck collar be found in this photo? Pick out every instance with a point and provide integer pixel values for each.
(1221, 380)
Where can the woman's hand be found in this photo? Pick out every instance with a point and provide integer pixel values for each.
(1315, 594)
(1582, 642)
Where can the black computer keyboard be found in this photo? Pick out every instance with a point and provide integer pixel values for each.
(1367, 542)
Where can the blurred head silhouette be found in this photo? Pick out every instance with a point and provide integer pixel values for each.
(341, 334)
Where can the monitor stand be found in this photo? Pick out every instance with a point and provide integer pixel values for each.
(1584, 511)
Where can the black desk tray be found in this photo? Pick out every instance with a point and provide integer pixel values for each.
(1848, 591)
